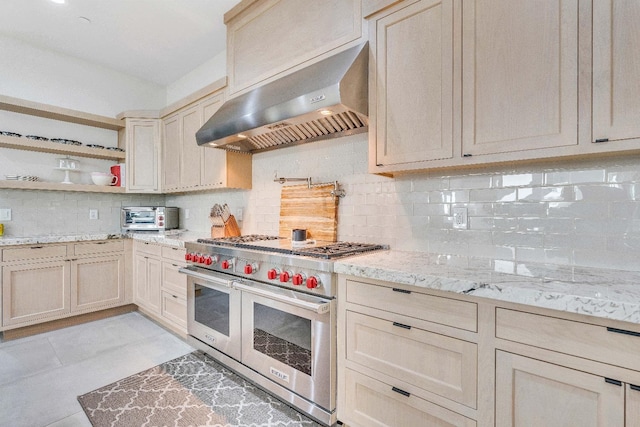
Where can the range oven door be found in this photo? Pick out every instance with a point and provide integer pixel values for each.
(213, 311)
(289, 337)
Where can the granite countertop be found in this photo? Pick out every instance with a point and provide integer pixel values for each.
(175, 238)
(610, 294)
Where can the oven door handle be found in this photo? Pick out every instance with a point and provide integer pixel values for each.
(318, 307)
(206, 277)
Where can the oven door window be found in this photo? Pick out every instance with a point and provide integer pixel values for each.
(212, 309)
(282, 336)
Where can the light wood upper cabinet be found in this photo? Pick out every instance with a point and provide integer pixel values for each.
(519, 74)
(411, 83)
(171, 153)
(143, 155)
(265, 38)
(189, 167)
(616, 70)
(532, 393)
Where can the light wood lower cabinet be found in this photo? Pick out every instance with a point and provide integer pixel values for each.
(397, 364)
(35, 292)
(533, 393)
(371, 403)
(160, 289)
(41, 283)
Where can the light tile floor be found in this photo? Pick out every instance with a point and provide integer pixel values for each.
(42, 375)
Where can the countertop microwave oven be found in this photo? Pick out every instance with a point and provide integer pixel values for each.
(149, 218)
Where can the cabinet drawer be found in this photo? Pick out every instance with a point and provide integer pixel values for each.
(445, 311)
(174, 281)
(570, 337)
(437, 363)
(174, 309)
(98, 247)
(35, 251)
(370, 402)
(148, 248)
(174, 254)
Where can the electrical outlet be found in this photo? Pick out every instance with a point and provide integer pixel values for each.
(186, 214)
(5, 214)
(93, 213)
(239, 214)
(460, 219)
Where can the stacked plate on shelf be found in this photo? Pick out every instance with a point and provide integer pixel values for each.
(21, 178)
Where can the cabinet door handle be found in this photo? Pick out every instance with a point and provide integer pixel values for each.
(612, 381)
(634, 387)
(401, 325)
(101, 243)
(36, 247)
(623, 331)
(402, 291)
(400, 391)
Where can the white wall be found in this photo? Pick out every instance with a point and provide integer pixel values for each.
(207, 73)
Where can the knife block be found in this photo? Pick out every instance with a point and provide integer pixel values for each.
(229, 229)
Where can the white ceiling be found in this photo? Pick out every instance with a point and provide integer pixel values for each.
(156, 40)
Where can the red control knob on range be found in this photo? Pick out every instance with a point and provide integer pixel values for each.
(272, 274)
(248, 269)
(298, 279)
(312, 282)
(188, 257)
(198, 258)
(285, 276)
(225, 264)
(208, 260)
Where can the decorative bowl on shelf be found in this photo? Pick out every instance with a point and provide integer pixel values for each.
(101, 178)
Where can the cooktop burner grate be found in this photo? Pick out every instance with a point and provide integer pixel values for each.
(237, 240)
(336, 250)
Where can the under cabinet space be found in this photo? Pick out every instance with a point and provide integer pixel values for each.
(445, 311)
(374, 403)
(436, 363)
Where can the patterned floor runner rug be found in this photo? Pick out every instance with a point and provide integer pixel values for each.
(192, 390)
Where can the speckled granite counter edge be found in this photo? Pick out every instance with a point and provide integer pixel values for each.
(609, 294)
(175, 239)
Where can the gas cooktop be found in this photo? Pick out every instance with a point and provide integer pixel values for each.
(310, 248)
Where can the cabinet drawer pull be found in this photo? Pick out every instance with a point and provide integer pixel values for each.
(622, 331)
(400, 391)
(101, 243)
(612, 381)
(36, 247)
(601, 140)
(634, 387)
(401, 325)
(402, 291)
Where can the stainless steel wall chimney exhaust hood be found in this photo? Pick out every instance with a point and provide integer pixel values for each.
(325, 100)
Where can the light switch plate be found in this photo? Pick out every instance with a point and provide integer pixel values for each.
(187, 213)
(460, 219)
(93, 213)
(239, 213)
(5, 214)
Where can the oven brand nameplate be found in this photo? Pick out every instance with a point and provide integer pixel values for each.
(210, 338)
(278, 374)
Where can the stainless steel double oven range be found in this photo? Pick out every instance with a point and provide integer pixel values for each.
(266, 309)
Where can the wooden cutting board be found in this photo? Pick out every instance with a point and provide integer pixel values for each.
(311, 208)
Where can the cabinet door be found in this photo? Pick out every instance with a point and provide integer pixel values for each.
(411, 84)
(214, 161)
(143, 159)
(519, 74)
(154, 283)
(191, 152)
(35, 292)
(632, 410)
(97, 282)
(140, 281)
(616, 69)
(171, 154)
(532, 393)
